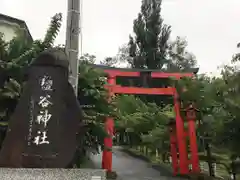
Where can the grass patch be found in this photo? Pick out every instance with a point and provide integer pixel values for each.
(111, 175)
(221, 171)
(87, 163)
(164, 168)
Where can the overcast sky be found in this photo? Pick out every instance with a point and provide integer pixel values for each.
(212, 27)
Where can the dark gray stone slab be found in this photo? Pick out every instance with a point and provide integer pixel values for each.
(47, 117)
(52, 174)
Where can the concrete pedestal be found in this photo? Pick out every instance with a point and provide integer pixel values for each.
(52, 174)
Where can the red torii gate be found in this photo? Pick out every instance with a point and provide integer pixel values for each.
(178, 135)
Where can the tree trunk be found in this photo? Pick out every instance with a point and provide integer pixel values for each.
(156, 153)
(209, 157)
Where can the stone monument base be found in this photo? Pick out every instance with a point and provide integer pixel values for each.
(52, 174)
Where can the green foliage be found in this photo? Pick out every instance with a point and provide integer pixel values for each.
(16, 55)
(179, 58)
(219, 105)
(52, 31)
(93, 99)
(148, 48)
(146, 123)
(109, 61)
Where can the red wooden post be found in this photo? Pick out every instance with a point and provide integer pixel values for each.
(183, 158)
(173, 146)
(191, 117)
(109, 127)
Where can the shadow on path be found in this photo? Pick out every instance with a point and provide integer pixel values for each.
(130, 168)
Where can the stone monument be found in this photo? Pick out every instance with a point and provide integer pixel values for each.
(42, 131)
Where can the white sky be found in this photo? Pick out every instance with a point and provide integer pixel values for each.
(212, 27)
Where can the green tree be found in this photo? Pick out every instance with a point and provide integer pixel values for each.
(109, 61)
(93, 98)
(217, 100)
(143, 124)
(148, 48)
(231, 103)
(179, 59)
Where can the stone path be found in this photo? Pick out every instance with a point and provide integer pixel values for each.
(130, 168)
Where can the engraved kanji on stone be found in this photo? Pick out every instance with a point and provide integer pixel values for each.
(44, 101)
(43, 117)
(41, 138)
(46, 83)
